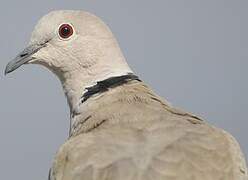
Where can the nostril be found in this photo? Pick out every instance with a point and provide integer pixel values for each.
(23, 54)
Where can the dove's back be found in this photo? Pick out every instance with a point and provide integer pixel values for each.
(144, 138)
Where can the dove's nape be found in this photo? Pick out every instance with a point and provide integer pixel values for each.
(119, 128)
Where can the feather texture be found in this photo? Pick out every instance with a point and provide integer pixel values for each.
(144, 138)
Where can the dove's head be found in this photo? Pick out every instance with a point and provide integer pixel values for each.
(78, 47)
(73, 45)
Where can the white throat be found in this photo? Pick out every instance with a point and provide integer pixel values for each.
(76, 83)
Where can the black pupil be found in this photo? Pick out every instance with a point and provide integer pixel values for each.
(65, 31)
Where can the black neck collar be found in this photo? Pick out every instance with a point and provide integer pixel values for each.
(112, 82)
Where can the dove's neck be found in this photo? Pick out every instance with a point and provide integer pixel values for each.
(76, 82)
(77, 85)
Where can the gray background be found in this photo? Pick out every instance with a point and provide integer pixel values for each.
(194, 53)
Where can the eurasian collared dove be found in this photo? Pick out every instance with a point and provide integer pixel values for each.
(120, 129)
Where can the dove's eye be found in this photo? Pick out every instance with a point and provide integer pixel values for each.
(65, 31)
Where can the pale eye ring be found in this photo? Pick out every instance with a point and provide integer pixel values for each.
(65, 31)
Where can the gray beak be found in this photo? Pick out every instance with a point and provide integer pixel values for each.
(22, 58)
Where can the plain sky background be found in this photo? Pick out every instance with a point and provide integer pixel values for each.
(192, 52)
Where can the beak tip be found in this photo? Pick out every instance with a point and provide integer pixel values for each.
(9, 68)
(6, 71)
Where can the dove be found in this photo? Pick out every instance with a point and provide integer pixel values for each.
(119, 128)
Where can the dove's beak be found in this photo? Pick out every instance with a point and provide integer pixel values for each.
(24, 57)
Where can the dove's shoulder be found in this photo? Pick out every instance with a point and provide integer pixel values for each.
(203, 152)
(178, 149)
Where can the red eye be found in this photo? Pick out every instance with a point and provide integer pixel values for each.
(65, 31)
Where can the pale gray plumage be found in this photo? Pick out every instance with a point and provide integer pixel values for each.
(127, 132)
